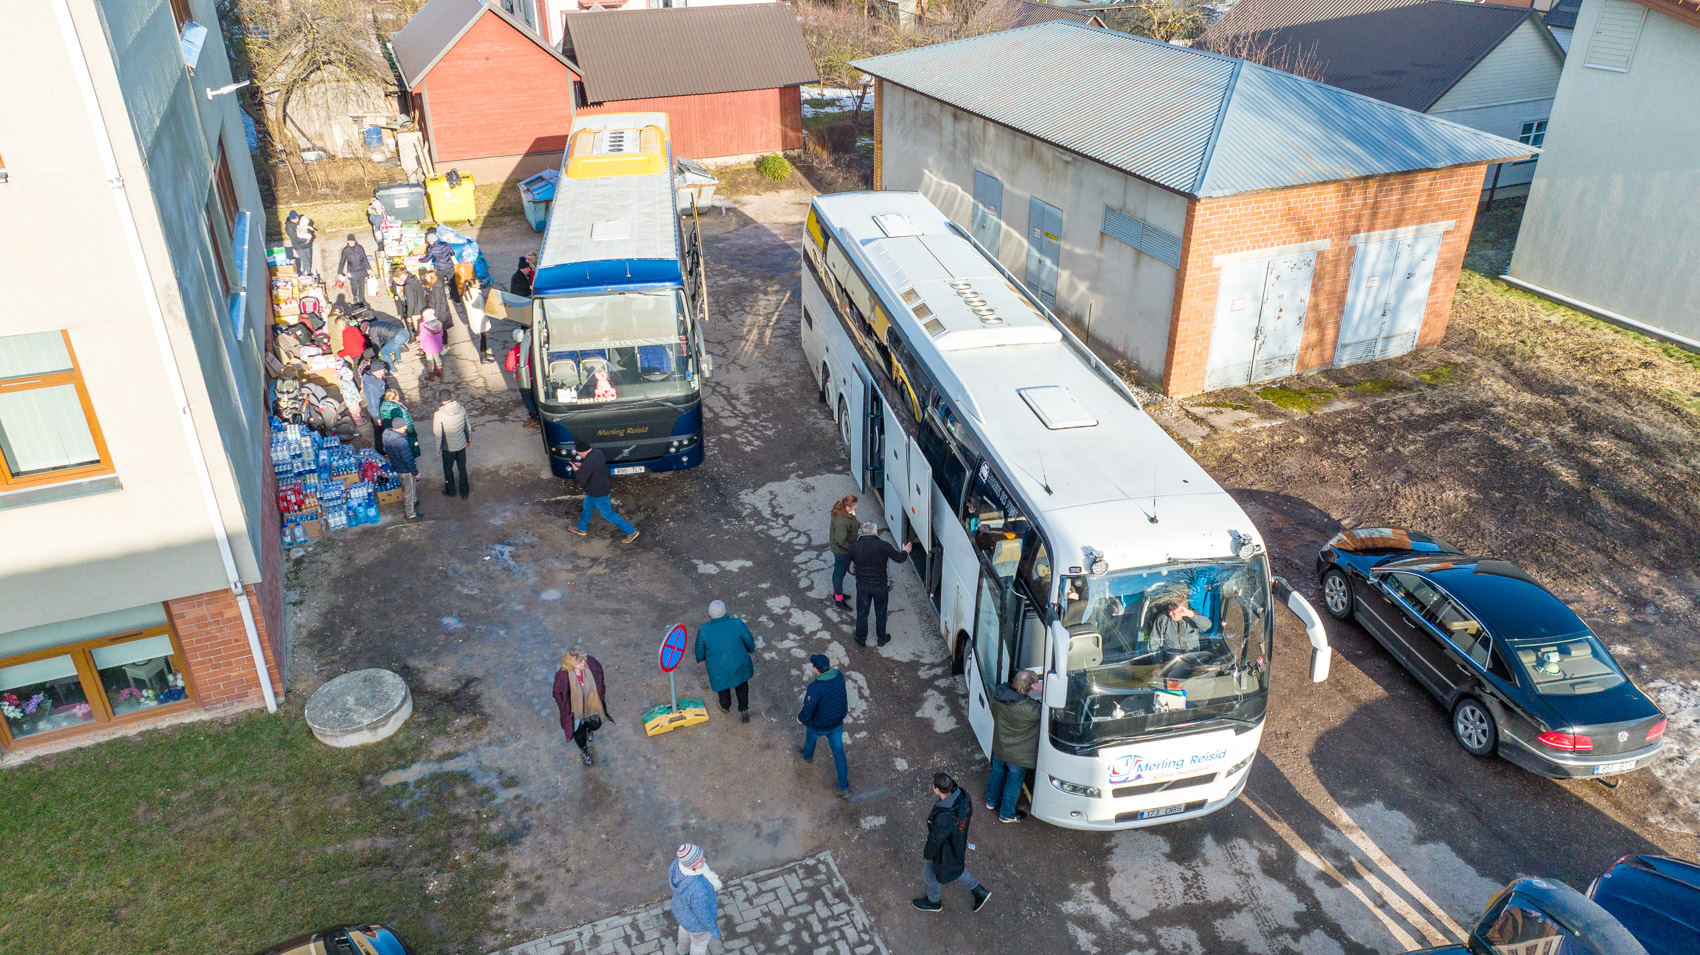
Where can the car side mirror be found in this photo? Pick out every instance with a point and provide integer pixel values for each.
(1301, 608)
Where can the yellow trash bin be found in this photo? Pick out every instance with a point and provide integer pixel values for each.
(450, 203)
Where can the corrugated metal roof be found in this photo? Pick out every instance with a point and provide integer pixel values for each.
(1563, 14)
(1184, 119)
(1405, 52)
(640, 54)
(439, 25)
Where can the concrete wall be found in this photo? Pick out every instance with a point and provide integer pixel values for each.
(1116, 296)
(1611, 215)
(1511, 86)
(146, 538)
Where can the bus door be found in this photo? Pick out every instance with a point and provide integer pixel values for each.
(894, 489)
(998, 531)
(852, 423)
(873, 443)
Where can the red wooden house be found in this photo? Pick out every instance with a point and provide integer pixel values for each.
(495, 100)
(492, 98)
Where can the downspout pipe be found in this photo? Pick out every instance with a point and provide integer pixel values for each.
(156, 316)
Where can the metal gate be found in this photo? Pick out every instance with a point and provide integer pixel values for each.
(988, 205)
(1387, 297)
(1044, 249)
(1260, 316)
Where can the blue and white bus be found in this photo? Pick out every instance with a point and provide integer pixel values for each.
(1057, 528)
(617, 349)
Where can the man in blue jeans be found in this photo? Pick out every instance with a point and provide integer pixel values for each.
(1015, 743)
(591, 472)
(824, 707)
(389, 337)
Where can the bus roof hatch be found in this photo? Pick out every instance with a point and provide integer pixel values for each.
(600, 153)
(1056, 407)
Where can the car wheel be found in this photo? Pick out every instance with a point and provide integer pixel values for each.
(844, 422)
(1337, 593)
(1473, 725)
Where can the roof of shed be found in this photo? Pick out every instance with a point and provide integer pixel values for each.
(1563, 14)
(439, 25)
(1405, 52)
(1186, 120)
(684, 51)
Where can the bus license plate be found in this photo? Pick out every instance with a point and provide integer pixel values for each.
(1165, 811)
(639, 469)
(1608, 769)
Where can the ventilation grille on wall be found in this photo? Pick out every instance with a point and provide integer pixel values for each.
(1160, 245)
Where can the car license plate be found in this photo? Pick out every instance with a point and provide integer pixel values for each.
(1607, 769)
(1165, 811)
(639, 469)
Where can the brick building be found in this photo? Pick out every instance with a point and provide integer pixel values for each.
(142, 578)
(1213, 221)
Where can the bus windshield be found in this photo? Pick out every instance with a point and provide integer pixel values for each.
(1163, 646)
(614, 346)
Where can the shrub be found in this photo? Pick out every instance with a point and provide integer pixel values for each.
(774, 166)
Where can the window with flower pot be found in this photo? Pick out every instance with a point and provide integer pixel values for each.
(53, 688)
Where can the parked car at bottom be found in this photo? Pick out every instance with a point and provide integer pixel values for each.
(347, 940)
(1645, 905)
(1520, 673)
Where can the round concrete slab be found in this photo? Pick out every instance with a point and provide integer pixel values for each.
(358, 708)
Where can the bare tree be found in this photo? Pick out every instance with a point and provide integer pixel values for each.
(841, 33)
(1172, 21)
(1246, 35)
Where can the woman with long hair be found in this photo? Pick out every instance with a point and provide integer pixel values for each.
(581, 695)
(842, 534)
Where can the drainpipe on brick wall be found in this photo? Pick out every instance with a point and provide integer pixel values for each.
(156, 315)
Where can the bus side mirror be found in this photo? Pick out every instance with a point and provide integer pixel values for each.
(1056, 690)
(1301, 608)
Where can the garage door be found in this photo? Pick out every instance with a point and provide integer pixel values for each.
(1260, 315)
(1387, 297)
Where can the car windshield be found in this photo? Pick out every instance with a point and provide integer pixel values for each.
(1162, 646)
(1569, 666)
(612, 347)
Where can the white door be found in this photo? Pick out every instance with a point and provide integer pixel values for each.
(1259, 325)
(853, 423)
(920, 494)
(988, 657)
(1386, 298)
(896, 489)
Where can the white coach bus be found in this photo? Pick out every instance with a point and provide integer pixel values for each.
(1056, 526)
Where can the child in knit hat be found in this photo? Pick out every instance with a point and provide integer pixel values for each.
(696, 900)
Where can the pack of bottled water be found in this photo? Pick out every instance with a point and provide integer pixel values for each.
(294, 449)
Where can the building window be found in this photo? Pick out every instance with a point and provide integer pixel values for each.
(48, 431)
(119, 677)
(1534, 133)
(181, 15)
(217, 233)
(1612, 47)
(226, 189)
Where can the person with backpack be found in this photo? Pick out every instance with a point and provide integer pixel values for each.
(944, 858)
(518, 364)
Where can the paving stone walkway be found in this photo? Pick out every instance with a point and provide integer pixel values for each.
(800, 908)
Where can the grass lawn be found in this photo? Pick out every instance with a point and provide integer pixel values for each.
(228, 837)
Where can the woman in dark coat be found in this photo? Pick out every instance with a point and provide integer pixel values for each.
(410, 298)
(581, 696)
(520, 284)
(437, 298)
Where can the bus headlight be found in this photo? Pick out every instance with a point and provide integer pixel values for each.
(1075, 789)
(1242, 764)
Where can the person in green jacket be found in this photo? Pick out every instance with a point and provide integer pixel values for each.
(725, 645)
(1015, 743)
(391, 409)
(844, 530)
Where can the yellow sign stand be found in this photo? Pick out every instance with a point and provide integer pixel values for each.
(665, 718)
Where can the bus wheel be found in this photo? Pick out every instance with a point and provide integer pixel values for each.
(844, 422)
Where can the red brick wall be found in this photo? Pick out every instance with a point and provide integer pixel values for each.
(1334, 211)
(215, 648)
(497, 93)
(714, 125)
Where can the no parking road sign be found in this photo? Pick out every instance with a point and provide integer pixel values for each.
(673, 647)
(671, 716)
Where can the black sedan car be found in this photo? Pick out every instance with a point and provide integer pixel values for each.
(1520, 673)
(1657, 899)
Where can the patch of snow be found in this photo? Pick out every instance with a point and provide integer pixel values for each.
(703, 568)
(936, 709)
(1678, 768)
(872, 822)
